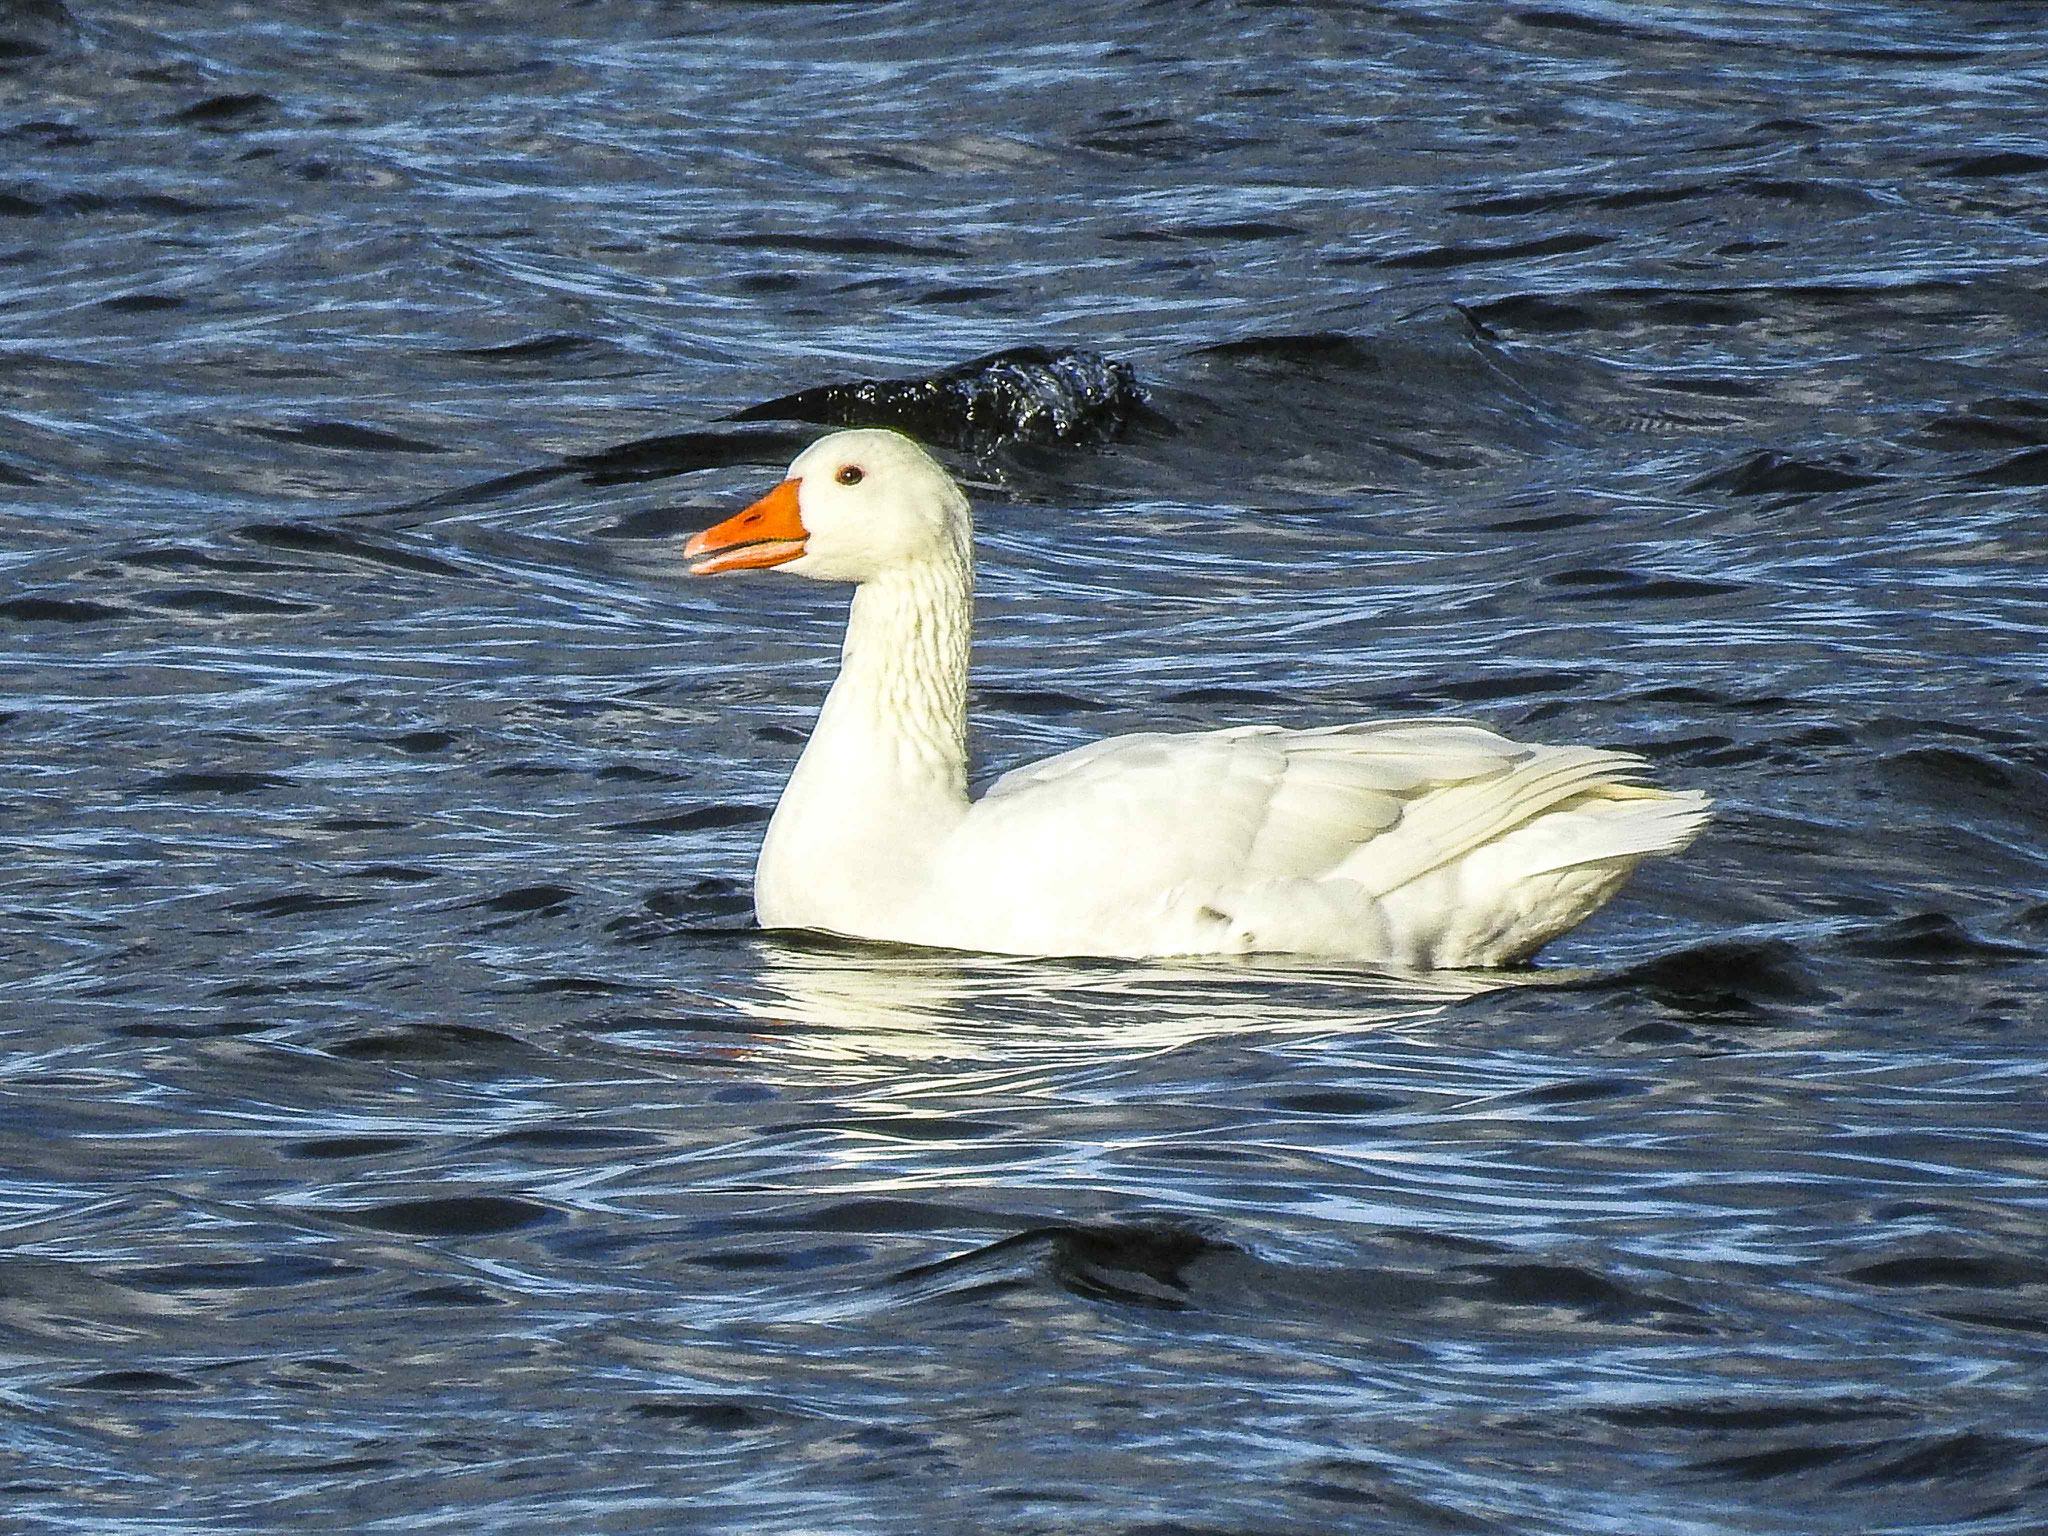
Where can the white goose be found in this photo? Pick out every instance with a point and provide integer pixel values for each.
(1410, 843)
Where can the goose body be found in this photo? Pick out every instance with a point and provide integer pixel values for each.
(1412, 843)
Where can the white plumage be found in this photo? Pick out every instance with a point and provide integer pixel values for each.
(1417, 843)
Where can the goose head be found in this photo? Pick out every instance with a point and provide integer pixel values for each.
(854, 506)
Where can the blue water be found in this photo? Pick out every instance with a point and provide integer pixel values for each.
(405, 1128)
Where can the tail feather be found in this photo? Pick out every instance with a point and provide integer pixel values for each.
(1443, 827)
(1643, 823)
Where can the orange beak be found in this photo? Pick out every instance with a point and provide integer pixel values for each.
(769, 532)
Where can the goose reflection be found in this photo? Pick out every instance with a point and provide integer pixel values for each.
(849, 1001)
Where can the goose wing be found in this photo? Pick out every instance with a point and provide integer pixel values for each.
(1151, 811)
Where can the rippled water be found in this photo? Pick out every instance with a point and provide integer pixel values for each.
(404, 1128)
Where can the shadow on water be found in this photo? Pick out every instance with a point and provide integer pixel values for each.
(1036, 397)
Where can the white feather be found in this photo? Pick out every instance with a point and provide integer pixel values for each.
(1402, 842)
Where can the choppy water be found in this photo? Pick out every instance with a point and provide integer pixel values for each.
(403, 1128)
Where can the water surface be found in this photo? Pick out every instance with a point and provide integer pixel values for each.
(405, 1128)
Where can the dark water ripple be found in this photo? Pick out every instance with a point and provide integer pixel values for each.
(404, 1123)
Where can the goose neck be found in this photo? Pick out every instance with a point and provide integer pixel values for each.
(903, 671)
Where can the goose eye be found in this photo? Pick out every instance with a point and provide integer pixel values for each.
(850, 474)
